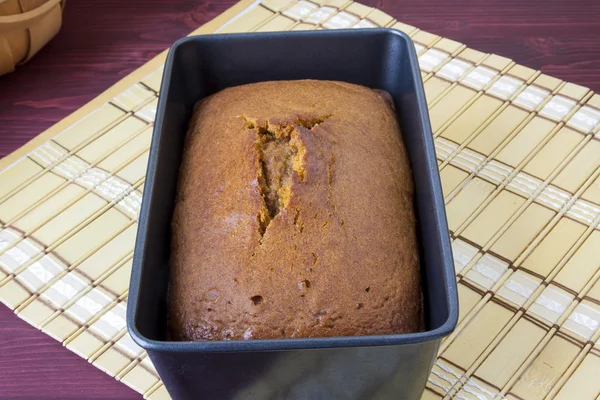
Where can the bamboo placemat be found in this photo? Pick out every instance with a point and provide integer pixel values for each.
(519, 156)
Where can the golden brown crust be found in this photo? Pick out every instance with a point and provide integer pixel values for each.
(294, 217)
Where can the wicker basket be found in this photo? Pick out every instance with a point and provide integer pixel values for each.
(25, 27)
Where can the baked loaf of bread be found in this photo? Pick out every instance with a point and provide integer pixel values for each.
(294, 217)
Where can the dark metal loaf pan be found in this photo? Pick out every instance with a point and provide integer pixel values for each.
(382, 367)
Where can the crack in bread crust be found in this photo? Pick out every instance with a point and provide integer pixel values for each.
(281, 155)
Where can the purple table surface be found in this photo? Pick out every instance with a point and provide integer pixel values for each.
(103, 40)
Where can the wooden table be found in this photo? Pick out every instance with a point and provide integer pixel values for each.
(104, 40)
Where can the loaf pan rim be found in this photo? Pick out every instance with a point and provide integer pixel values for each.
(295, 343)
